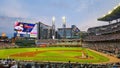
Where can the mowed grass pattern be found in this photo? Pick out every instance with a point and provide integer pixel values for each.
(57, 54)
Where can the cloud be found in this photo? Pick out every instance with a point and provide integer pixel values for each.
(87, 5)
(92, 12)
(91, 22)
(13, 8)
(10, 10)
(60, 4)
(6, 24)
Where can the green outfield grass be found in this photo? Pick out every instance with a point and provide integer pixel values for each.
(61, 54)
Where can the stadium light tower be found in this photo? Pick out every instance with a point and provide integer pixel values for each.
(53, 27)
(64, 26)
(53, 20)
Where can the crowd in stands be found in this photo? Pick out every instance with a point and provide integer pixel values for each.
(45, 41)
(115, 36)
(59, 43)
(7, 45)
(110, 48)
(104, 38)
(105, 29)
(11, 63)
(107, 43)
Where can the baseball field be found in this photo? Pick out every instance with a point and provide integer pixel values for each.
(54, 54)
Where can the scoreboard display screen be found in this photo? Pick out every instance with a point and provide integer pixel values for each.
(23, 29)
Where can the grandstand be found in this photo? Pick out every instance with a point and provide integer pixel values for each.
(106, 38)
(102, 39)
(7, 63)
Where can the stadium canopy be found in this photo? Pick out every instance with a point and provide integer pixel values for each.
(112, 15)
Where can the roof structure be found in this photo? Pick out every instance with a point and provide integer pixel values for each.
(112, 15)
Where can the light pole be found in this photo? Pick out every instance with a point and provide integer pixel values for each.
(53, 27)
(64, 27)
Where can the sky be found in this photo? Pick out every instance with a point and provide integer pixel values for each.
(82, 13)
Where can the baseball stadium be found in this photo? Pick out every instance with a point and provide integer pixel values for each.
(42, 46)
